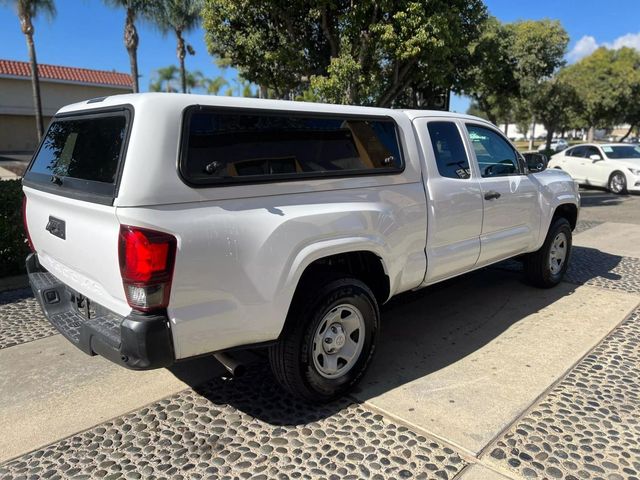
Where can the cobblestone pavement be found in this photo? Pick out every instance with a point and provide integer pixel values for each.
(21, 319)
(242, 428)
(588, 426)
(589, 266)
(583, 225)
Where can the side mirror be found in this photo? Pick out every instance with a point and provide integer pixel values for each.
(595, 157)
(536, 162)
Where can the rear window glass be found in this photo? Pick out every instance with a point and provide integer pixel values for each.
(83, 149)
(231, 146)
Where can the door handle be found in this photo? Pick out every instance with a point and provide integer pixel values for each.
(491, 195)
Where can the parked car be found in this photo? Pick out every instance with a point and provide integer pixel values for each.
(170, 226)
(557, 145)
(615, 166)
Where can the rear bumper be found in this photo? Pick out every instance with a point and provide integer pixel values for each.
(139, 342)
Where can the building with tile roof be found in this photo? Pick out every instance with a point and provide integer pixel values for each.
(59, 86)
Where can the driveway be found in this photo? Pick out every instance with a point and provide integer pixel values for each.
(479, 377)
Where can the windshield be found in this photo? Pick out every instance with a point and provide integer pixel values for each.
(622, 151)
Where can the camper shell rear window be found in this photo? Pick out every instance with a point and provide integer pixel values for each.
(81, 155)
(230, 145)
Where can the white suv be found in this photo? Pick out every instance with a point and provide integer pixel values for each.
(167, 226)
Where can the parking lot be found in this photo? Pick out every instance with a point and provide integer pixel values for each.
(478, 377)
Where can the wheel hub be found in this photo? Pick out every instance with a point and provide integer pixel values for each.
(334, 338)
(558, 253)
(338, 341)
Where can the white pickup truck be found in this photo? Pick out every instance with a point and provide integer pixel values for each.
(168, 226)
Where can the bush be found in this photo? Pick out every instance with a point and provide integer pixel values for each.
(13, 241)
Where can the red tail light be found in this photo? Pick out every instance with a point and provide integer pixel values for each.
(24, 222)
(146, 265)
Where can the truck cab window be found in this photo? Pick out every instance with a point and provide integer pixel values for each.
(449, 151)
(496, 157)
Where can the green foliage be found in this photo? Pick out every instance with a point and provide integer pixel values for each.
(491, 81)
(176, 15)
(538, 51)
(608, 84)
(32, 8)
(553, 104)
(510, 62)
(369, 52)
(13, 243)
(165, 79)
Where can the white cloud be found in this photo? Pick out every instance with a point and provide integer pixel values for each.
(587, 45)
(631, 40)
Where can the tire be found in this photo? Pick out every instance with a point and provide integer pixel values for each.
(313, 369)
(538, 267)
(617, 183)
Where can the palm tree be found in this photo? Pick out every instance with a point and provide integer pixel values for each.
(28, 10)
(180, 17)
(134, 9)
(195, 80)
(215, 85)
(164, 79)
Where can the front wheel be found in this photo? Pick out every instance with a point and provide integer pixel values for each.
(617, 183)
(546, 267)
(328, 341)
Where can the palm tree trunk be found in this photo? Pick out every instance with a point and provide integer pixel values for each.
(35, 84)
(131, 44)
(181, 51)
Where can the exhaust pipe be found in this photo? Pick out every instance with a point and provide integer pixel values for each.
(233, 366)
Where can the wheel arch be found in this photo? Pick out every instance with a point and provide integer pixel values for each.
(568, 211)
(365, 263)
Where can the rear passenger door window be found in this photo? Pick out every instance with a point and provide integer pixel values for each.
(496, 157)
(230, 146)
(451, 157)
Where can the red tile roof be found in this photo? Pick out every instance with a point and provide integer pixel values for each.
(69, 74)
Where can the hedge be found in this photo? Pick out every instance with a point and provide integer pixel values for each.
(13, 242)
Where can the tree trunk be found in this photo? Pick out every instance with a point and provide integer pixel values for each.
(591, 134)
(628, 133)
(549, 138)
(35, 84)
(533, 133)
(131, 44)
(182, 52)
(506, 128)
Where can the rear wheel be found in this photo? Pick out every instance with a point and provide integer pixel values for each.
(328, 341)
(617, 183)
(546, 267)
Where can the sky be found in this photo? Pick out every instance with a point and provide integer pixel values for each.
(86, 33)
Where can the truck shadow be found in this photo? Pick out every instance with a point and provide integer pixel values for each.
(422, 332)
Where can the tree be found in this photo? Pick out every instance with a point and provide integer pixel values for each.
(608, 84)
(214, 85)
(180, 17)
(134, 9)
(27, 11)
(491, 80)
(401, 53)
(165, 79)
(538, 50)
(552, 105)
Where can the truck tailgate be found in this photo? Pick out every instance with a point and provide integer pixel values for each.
(85, 257)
